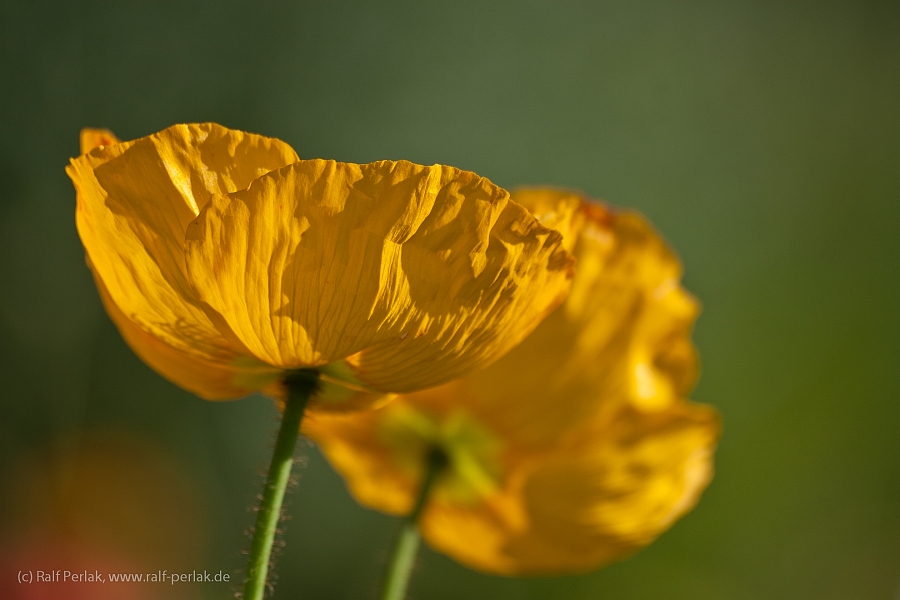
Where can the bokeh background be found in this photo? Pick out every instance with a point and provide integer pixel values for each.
(761, 138)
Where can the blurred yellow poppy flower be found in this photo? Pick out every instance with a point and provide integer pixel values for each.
(575, 449)
(225, 261)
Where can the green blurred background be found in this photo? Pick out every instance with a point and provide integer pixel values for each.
(761, 138)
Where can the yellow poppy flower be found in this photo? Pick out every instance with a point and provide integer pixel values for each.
(225, 261)
(573, 450)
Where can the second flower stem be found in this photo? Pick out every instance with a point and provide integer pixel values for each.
(396, 578)
(301, 385)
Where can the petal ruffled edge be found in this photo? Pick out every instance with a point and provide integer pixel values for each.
(421, 273)
(505, 531)
(131, 231)
(622, 335)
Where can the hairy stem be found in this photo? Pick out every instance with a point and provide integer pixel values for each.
(301, 385)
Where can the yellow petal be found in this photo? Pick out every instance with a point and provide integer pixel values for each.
(622, 336)
(592, 397)
(219, 378)
(611, 489)
(413, 274)
(134, 201)
(594, 502)
(562, 210)
(353, 447)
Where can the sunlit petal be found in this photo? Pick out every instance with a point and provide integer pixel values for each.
(414, 274)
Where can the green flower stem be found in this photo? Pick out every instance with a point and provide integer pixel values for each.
(396, 578)
(301, 385)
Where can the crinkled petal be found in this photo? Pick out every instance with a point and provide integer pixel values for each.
(135, 200)
(413, 274)
(589, 409)
(622, 335)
